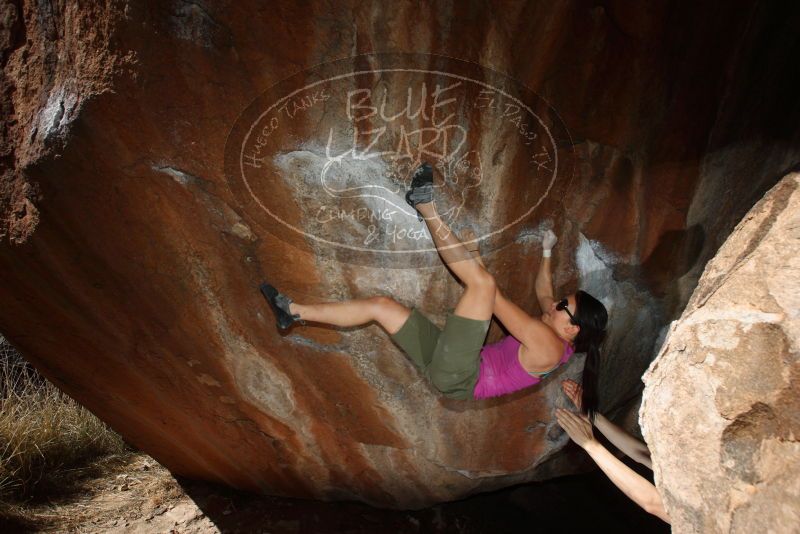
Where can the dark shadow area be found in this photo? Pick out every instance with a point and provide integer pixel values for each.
(586, 502)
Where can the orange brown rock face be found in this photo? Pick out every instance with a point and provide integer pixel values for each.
(133, 251)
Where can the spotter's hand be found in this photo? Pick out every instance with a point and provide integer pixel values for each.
(577, 426)
(574, 391)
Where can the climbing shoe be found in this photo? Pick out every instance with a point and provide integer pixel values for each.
(421, 190)
(280, 306)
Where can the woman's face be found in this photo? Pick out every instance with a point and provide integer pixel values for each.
(559, 320)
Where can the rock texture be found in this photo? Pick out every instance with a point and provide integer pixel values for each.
(131, 255)
(725, 389)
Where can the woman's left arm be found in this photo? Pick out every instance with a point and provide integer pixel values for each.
(529, 330)
(544, 277)
(637, 488)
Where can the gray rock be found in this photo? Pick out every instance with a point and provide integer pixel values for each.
(721, 405)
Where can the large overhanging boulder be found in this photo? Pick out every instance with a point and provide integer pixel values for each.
(725, 388)
(134, 243)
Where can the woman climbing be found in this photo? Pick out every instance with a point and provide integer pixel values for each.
(455, 359)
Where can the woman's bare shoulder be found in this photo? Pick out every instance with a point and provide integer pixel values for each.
(541, 351)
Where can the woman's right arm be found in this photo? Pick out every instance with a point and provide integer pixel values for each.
(636, 487)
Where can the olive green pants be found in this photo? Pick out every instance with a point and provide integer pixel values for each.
(449, 358)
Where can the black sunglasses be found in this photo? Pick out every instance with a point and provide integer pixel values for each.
(562, 305)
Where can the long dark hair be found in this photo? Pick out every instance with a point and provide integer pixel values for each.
(592, 318)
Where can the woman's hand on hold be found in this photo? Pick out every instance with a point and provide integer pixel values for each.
(549, 240)
(577, 427)
(574, 391)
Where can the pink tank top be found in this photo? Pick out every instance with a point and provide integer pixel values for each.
(500, 371)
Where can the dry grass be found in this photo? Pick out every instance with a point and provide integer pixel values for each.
(46, 437)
